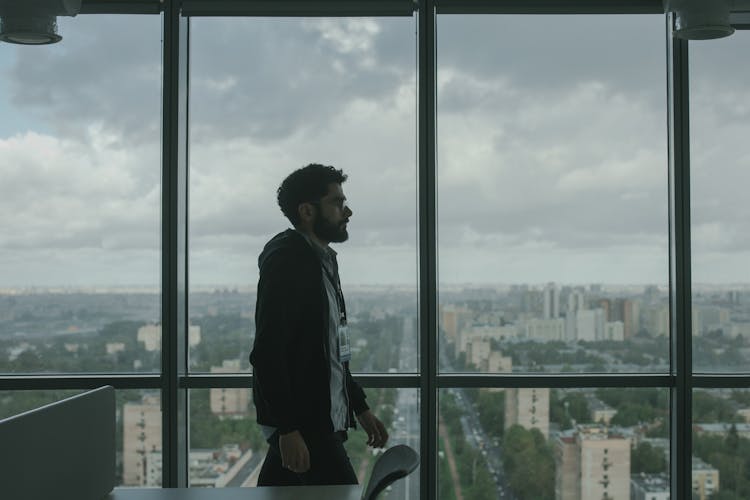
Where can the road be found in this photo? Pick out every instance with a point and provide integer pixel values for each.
(477, 438)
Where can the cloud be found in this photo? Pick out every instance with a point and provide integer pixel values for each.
(60, 194)
(583, 165)
(552, 148)
(101, 74)
(548, 52)
(318, 66)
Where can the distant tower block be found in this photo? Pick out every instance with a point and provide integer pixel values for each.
(528, 408)
(551, 301)
(141, 440)
(229, 402)
(592, 463)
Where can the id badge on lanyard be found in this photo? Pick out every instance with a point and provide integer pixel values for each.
(345, 349)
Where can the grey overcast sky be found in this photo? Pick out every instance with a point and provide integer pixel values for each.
(552, 148)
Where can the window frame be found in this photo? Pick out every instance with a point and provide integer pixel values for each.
(175, 379)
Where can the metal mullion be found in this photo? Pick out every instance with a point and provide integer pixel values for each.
(297, 8)
(680, 277)
(555, 381)
(244, 381)
(705, 381)
(121, 7)
(397, 381)
(79, 381)
(428, 348)
(174, 214)
(549, 7)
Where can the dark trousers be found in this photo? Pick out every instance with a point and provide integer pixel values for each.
(329, 463)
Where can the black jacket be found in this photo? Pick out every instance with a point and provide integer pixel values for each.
(290, 355)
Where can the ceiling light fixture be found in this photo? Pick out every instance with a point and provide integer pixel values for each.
(34, 22)
(700, 19)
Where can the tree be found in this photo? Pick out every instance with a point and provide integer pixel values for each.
(708, 408)
(529, 464)
(646, 458)
(732, 441)
(491, 407)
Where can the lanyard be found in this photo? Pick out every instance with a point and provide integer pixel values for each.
(339, 293)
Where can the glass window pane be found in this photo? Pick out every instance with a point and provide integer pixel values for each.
(721, 444)
(227, 447)
(566, 444)
(552, 188)
(399, 411)
(720, 216)
(80, 156)
(269, 96)
(138, 461)
(226, 444)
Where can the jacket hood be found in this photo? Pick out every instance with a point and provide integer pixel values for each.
(285, 240)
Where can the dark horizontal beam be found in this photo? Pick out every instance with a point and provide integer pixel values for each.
(549, 7)
(557, 381)
(740, 20)
(121, 7)
(207, 381)
(239, 380)
(65, 381)
(721, 381)
(298, 8)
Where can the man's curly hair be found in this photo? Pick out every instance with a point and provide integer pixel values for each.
(307, 184)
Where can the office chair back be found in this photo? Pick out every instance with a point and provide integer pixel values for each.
(397, 462)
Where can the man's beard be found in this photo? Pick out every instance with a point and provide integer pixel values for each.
(331, 233)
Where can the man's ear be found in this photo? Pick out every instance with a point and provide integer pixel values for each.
(305, 211)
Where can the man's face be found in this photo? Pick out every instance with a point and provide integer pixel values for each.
(332, 216)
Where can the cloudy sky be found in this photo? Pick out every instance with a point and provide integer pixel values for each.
(552, 148)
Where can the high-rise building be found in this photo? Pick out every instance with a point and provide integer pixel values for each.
(497, 363)
(656, 320)
(589, 324)
(542, 329)
(631, 317)
(229, 402)
(626, 311)
(474, 333)
(452, 320)
(614, 330)
(592, 463)
(478, 353)
(710, 318)
(566, 467)
(576, 301)
(551, 298)
(527, 407)
(141, 440)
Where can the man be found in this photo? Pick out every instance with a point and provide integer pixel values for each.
(304, 393)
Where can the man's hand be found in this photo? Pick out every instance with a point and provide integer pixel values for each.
(294, 453)
(377, 436)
